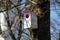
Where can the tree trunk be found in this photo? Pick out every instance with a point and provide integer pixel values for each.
(43, 31)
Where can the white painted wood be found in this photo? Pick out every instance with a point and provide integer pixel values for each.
(27, 21)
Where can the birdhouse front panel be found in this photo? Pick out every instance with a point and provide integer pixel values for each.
(30, 20)
(27, 20)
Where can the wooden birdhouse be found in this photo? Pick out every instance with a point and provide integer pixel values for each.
(30, 19)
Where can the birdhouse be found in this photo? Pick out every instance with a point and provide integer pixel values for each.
(30, 20)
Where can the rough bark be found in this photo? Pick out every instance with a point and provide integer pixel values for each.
(43, 31)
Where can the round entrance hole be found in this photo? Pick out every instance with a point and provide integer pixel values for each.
(27, 16)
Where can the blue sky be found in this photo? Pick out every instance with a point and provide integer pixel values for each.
(54, 18)
(22, 6)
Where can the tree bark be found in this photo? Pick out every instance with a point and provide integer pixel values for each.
(43, 31)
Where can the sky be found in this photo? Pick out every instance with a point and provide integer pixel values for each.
(55, 19)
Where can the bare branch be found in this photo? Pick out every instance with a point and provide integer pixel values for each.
(10, 31)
